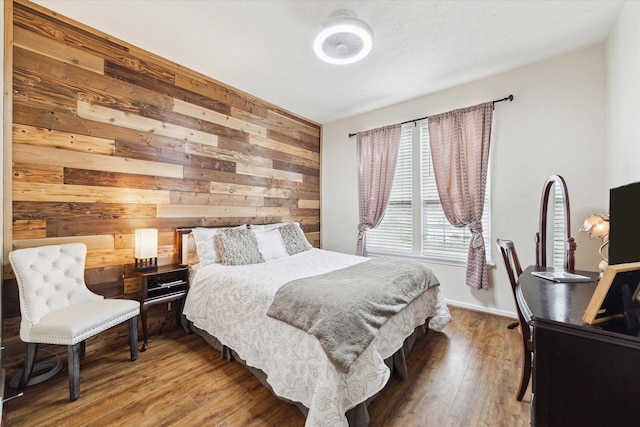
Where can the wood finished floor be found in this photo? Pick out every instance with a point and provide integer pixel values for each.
(465, 376)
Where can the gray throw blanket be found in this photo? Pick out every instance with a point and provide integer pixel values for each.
(344, 309)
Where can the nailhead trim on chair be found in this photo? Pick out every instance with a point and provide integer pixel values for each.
(63, 340)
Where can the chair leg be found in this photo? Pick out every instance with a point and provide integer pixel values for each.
(513, 325)
(525, 373)
(32, 350)
(83, 348)
(133, 337)
(73, 356)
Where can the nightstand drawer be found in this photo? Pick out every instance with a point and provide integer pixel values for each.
(167, 280)
(164, 291)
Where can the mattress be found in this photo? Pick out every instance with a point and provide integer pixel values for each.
(231, 303)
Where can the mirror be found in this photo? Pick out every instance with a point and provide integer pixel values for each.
(555, 240)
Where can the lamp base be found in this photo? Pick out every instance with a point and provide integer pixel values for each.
(602, 266)
(146, 264)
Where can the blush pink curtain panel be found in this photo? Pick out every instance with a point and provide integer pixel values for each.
(377, 158)
(460, 153)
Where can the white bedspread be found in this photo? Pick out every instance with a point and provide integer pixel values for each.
(231, 303)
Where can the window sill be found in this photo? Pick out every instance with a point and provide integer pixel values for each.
(433, 260)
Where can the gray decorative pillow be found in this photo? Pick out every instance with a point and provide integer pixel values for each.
(238, 247)
(293, 239)
(206, 245)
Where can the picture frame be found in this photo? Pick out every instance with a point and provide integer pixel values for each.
(614, 295)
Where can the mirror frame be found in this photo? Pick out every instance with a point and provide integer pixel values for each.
(541, 235)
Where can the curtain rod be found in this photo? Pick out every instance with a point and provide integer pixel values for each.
(508, 98)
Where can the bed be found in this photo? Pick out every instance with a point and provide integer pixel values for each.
(229, 305)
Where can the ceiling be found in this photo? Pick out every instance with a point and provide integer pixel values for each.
(264, 47)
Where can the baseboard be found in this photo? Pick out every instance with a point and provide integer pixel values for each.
(482, 309)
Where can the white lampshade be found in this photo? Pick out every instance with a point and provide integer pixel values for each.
(146, 243)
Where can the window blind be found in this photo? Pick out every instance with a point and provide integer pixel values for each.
(394, 233)
(414, 208)
(439, 238)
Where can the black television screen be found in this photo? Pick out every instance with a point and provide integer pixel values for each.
(624, 224)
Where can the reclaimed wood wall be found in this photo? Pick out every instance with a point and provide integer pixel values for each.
(108, 138)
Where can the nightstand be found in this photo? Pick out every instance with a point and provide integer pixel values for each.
(166, 284)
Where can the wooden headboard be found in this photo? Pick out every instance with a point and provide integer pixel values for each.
(182, 233)
(182, 242)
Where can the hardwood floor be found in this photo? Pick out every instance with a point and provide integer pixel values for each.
(465, 376)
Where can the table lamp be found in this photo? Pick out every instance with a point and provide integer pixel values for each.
(146, 249)
(598, 226)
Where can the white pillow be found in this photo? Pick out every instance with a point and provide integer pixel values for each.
(270, 244)
(204, 237)
(266, 227)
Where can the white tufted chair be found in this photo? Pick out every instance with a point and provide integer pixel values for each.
(58, 308)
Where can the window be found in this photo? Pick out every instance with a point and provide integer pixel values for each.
(414, 223)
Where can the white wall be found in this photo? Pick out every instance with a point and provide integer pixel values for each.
(623, 97)
(555, 125)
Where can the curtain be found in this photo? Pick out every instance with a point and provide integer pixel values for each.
(377, 156)
(460, 153)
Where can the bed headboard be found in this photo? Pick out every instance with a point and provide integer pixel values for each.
(185, 241)
(182, 237)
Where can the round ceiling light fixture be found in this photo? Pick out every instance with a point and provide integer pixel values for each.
(345, 39)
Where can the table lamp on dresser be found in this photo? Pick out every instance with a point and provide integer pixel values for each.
(598, 226)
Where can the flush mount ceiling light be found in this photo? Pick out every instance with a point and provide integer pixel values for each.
(344, 39)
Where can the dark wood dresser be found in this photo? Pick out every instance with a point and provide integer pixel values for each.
(583, 375)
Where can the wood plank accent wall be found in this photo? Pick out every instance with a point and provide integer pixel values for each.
(108, 138)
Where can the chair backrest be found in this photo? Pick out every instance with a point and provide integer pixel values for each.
(511, 261)
(514, 270)
(49, 278)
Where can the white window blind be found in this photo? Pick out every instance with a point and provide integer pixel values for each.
(394, 233)
(414, 223)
